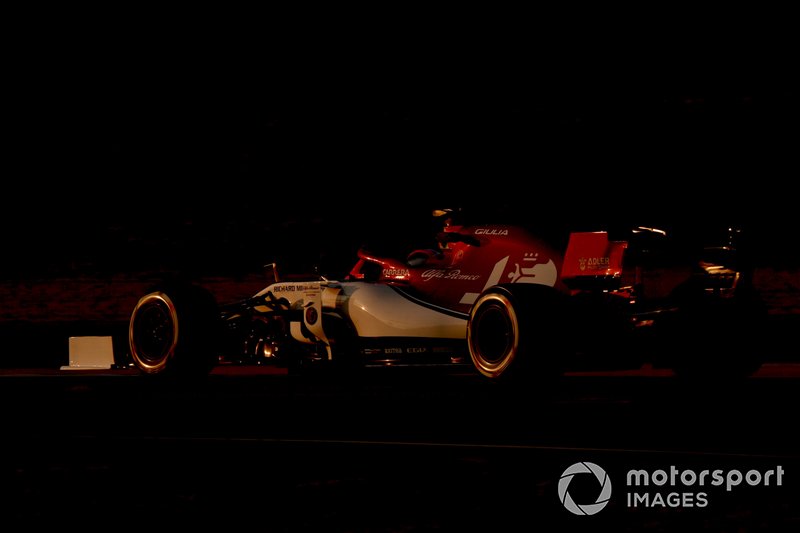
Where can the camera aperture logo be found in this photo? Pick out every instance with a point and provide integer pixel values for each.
(669, 487)
(588, 508)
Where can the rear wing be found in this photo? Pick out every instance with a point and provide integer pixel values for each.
(592, 261)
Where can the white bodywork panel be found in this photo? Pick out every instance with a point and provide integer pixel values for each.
(381, 311)
(375, 310)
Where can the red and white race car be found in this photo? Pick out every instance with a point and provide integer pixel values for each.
(495, 297)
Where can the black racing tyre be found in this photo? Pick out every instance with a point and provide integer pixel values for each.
(173, 330)
(512, 331)
(719, 339)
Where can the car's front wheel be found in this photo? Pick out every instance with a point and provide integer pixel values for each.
(172, 330)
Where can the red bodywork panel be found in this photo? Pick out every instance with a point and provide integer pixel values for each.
(591, 254)
(456, 274)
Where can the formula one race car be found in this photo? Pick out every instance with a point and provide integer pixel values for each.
(492, 297)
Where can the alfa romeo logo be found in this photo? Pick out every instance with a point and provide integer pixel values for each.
(588, 508)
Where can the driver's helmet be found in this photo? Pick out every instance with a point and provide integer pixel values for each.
(447, 221)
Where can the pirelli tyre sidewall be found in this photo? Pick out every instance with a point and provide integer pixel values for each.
(173, 331)
(512, 331)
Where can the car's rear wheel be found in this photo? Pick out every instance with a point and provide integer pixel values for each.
(719, 339)
(172, 330)
(512, 331)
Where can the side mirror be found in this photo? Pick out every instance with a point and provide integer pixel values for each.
(271, 271)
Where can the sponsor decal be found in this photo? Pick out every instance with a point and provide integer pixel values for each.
(529, 270)
(491, 231)
(417, 350)
(296, 288)
(395, 272)
(455, 275)
(593, 263)
(284, 288)
(392, 350)
(541, 273)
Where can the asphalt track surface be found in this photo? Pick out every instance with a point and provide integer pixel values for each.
(393, 450)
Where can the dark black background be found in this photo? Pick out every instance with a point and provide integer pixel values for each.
(141, 140)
